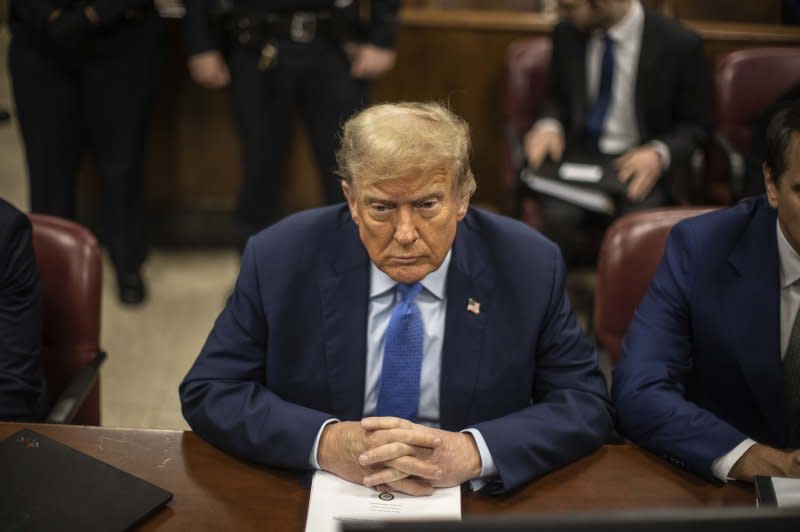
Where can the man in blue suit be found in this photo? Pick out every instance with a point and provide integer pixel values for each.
(709, 374)
(300, 369)
(23, 394)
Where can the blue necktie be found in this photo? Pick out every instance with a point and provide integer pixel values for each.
(398, 392)
(597, 114)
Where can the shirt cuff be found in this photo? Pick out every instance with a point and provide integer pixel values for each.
(722, 466)
(663, 153)
(313, 458)
(488, 469)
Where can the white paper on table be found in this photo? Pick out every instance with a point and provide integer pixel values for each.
(787, 491)
(585, 173)
(334, 500)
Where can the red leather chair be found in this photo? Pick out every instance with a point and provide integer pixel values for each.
(68, 258)
(629, 255)
(746, 82)
(527, 68)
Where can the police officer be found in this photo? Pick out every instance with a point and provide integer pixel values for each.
(276, 54)
(84, 73)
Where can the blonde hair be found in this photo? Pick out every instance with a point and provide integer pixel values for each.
(395, 140)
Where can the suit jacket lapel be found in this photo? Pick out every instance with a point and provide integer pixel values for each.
(755, 304)
(345, 293)
(463, 350)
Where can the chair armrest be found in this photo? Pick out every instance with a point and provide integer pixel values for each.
(735, 164)
(71, 399)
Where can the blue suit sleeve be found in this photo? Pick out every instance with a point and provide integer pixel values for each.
(649, 383)
(22, 388)
(224, 396)
(570, 415)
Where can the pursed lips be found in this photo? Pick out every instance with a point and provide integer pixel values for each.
(404, 260)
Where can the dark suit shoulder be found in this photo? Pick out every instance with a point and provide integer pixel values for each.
(716, 233)
(315, 239)
(509, 239)
(563, 32)
(726, 221)
(671, 28)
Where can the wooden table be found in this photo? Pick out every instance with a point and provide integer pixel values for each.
(214, 491)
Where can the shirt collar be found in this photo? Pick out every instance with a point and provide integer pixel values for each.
(789, 259)
(435, 282)
(629, 27)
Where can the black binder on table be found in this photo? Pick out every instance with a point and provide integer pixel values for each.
(45, 485)
(594, 184)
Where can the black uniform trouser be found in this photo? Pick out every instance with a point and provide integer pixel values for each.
(316, 76)
(101, 97)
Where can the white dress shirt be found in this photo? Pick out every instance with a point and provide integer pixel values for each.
(620, 128)
(432, 304)
(790, 303)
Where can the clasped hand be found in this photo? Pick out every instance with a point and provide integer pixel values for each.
(394, 454)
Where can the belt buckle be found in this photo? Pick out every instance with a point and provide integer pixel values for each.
(303, 26)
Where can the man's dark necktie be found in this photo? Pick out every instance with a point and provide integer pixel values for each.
(398, 391)
(791, 380)
(597, 114)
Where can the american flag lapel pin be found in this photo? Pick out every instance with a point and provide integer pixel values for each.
(473, 306)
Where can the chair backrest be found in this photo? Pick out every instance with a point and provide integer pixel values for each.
(70, 268)
(629, 255)
(746, 82)
(527, 70)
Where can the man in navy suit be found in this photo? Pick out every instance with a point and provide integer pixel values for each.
(626, 82)
(23, 394)
(709, 375)
(293, 371)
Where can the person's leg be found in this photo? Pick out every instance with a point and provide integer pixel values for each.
(330, 96)
(50, 116)
(563, 223)
(262, 102)
(121, 79)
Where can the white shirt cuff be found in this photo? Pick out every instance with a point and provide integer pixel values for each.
(663, 153)
(488, 468)
(722, 466)
(313, 458)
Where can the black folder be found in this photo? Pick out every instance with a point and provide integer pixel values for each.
(602, 196)
(765, 491)
(45, 485)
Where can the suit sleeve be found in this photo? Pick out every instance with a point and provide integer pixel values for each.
(198, 36)
(22, 387)
(570, 415)
(691, 106)
(383, 23)
(556, 106)
(224, 398)
(649, 383)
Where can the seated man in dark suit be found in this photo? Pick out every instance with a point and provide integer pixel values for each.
(625, 82)
(23, 395)
(404, 340)
(709, 374)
